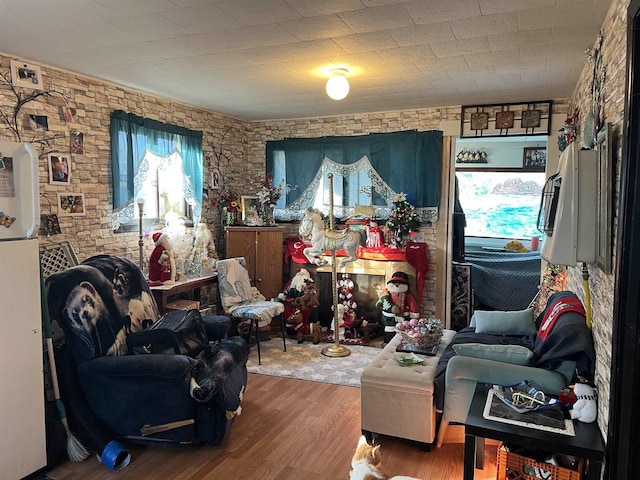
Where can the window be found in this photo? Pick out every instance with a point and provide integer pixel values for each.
(157, 162)
(500, 204)
(368, 171)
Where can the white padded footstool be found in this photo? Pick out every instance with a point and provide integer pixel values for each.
(398, 401)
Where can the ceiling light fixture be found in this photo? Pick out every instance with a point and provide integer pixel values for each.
(338, 85)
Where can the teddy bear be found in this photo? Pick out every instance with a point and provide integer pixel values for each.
(397, 303)
(162, 266)
(585, 408)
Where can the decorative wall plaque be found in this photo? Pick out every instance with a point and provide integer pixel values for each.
(506, 119)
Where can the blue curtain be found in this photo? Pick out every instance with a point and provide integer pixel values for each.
(132, 136)
(408, 161)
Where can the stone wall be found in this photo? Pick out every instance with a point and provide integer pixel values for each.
(614, 31)
(91, 172)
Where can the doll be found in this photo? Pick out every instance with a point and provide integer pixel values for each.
(162, 266)
(397, 303)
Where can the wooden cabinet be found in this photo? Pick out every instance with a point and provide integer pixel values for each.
(262, 249)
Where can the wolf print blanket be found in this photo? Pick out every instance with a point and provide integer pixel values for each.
(99, 302)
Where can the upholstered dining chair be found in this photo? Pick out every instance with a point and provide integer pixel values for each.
(240, 300)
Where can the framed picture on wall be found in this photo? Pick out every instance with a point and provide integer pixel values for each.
(250, 210)
(59, 169)
(71, 204)
(26, 75)
(534, 158)
(50, 224)
(479, 121)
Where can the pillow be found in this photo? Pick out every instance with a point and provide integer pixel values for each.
(519, 322)
(514, 354)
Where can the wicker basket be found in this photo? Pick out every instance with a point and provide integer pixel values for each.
(512, 466)
(423, 342)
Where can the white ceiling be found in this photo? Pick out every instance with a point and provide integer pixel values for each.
(268, 59)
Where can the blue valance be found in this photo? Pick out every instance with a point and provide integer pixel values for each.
(408, 161)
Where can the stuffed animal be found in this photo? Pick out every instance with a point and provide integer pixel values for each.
(309, 297)
(367, 330)
(397, 303)
(301, 295)
(585, 408)
(162, 266)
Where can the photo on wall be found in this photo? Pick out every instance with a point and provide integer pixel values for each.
(59, 169)
(534, 158)
(26, 75)
(71, 204)
(77, 142)
(38, 123)
(50, 224)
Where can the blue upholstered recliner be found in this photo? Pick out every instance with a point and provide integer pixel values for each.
(104, 303)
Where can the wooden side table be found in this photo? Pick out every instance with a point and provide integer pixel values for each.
(162, 293)
(587, 442)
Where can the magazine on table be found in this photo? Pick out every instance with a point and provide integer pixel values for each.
(524, 398)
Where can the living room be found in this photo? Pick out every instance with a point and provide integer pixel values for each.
(237, 146)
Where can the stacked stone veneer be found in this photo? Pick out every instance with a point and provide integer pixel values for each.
(614, 54)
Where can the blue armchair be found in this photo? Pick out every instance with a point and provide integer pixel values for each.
(104, 303)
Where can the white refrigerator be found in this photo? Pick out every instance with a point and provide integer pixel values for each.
(22, 421)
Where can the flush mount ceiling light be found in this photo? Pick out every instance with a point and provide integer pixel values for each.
(338, 85)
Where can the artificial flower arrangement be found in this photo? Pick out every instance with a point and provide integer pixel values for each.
(268, 193)
(228, 200)
(403, 218)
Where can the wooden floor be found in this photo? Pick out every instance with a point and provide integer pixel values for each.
(289, 429)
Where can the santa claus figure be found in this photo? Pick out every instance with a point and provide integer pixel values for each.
(397, 303)
(162, 267)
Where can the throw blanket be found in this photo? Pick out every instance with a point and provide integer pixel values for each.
(98, 303)
(557, 308)
(570, 339)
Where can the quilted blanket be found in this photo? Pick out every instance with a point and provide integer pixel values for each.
(504, 280)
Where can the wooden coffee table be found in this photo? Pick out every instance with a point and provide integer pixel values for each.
(587, 442)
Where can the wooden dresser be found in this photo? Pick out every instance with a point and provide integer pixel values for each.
(262, 249)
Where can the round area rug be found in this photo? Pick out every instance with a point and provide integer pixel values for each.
(306, 362)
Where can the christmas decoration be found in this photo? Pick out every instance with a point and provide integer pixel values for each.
(554, 279)
(345, 294)
(403, 220)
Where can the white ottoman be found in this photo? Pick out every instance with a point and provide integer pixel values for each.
(398, 401)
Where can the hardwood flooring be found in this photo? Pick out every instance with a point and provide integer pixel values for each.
(288, 430)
